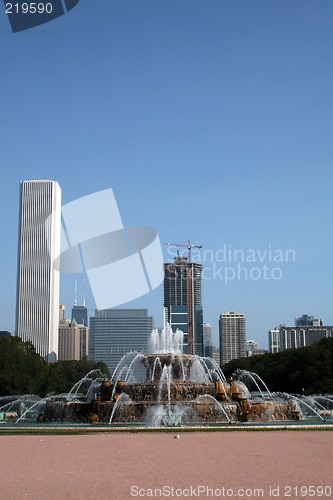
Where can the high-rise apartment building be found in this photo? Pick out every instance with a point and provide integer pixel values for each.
(232, 333)
(115, 332)
(73, 338)
(274, 340)
(37, 302)
(293, 337)
(183, 302)
(69, 341)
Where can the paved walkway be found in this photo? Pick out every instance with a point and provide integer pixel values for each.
(241, 465)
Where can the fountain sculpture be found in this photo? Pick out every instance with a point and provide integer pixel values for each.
(168, 388)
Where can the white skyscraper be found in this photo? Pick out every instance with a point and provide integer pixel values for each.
(37, 303)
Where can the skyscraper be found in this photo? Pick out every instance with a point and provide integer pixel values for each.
(183, 302)
(73, 338)
(115, 332)
(37, 297)
(232, 336)
(208, 340)
(69, 341)
(80, 314)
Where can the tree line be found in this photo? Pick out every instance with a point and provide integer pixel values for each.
(23, 371)
(308, 370)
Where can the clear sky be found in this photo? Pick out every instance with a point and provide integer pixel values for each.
(210, 119)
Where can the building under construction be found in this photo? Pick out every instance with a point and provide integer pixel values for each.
(183, 301)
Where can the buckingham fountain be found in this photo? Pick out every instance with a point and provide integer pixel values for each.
(168, 388)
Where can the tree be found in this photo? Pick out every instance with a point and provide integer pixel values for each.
(308, 370)
(63, 375)
(21, 369)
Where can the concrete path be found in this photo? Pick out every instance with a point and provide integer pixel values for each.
(112, 466)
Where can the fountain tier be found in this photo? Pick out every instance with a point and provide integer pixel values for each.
(171, 389)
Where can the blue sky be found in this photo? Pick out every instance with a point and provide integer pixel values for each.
(210, 119)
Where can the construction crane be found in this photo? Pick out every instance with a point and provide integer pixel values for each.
(189, 247)
(189, 271)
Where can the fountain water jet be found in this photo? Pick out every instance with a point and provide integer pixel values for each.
(168, 388)
(171, 388)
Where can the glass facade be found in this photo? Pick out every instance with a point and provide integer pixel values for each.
(208, 340)
(183, 301)
(80, 314)
(115, 332)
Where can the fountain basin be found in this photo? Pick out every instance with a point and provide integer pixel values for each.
(170, 389)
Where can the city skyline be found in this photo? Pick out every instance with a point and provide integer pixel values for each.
(211, 121)
(226, 255)
(207, 123)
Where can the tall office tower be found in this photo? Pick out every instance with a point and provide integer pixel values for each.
(208, 340)
(232, 336)
(37, 297)
(80, 314)
(84, 341)
(183, 302)
(115, 332)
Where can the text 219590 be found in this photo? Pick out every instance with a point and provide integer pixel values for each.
(29, 8)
